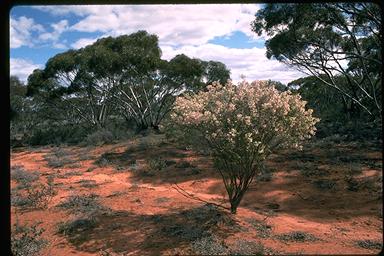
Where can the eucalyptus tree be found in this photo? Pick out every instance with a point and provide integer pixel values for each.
(123, 76)
(330, 41)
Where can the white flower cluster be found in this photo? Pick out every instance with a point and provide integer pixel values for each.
(248, 119)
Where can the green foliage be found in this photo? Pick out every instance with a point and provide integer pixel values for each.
(58, 159)
(88, 183)
(326, 102)
(84, 204)
(337, 43)
(77, 225)
(297, 236)
(57, 135)
(216, 72)
(99, 137)
(263, 230)
(23, 177)
(103, 160)
(325, 184)
(184, 164)
(157, 164)
(241, 126)
(122, 78)
(370, 244)
(36, 196)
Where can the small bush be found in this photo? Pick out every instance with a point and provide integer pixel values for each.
(103, 161)
(150, 141)
(184, 231)
(157, 164)
(90, 169)
(120, 169)
(297, 236)
(68, 174)
(229, 120)
(87, 183)
(134, 187)
(209, 245)
(352, 183)
(195, 171)
(57, 135)
(308, 169)
(184, 164)
(324, 184)
(265, 174)
(370, 244)
(37, 197)
(147, 173)
(134, 166)
(243, 247)
(355, 169)
(99, 137)
(116, 193)
(19, 174)
(162, 200)
(263, 230)
(84, 156)
(18, 200)
(85, 204)
(77, 225)
(60, 152)
(26, 240)
(56, 161)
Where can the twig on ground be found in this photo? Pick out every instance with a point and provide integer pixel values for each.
(297, 193)
(192, 196)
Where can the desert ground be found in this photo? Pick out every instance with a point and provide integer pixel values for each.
(148, 196)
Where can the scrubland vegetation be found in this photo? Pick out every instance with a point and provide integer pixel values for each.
(115, 151)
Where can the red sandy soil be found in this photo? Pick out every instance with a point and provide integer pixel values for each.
(337, 217)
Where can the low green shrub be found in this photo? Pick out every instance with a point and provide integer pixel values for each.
(370, 244)
(184, 164)
(76, 225)
(23, 177)
(26, 240)
(83, 204)
(99, 137)
(157, 163)
(297, 236)
(263, 230)
(209, 245)
(37, 196)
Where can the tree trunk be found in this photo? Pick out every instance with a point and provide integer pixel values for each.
(155, 127)
(234, 204)
(236, 200)
(233, 208)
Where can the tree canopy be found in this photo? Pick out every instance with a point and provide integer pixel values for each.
(331, 41)
(123, 76)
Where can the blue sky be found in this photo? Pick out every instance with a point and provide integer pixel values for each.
(220, 32)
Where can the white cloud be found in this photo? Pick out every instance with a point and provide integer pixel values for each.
(79, 10)
(21, 31)
(182, 29)
(83, 42)
(174, 24)
(249, 62)
(54, 36)
(22, 68)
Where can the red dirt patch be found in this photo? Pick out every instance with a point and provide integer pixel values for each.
(148, 216)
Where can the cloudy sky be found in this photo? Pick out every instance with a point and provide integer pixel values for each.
(219, 32)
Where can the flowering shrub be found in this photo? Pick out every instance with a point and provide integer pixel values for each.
(241, 125)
